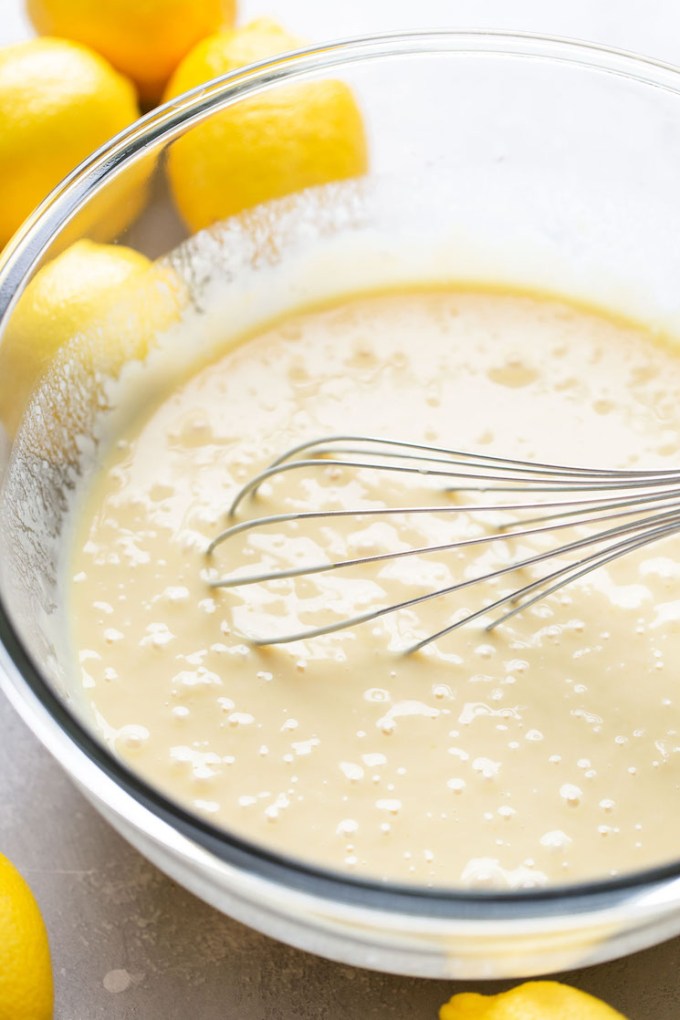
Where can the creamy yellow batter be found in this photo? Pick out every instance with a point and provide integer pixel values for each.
(545, 751)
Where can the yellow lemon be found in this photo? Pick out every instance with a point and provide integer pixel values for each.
(534, 1000)
(25, 971)
(273, 145)
(113, 293)
(58, 102)
(145, 39)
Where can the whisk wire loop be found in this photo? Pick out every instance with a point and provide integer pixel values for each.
(650, 497)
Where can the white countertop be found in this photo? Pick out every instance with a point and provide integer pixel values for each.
(126, 941)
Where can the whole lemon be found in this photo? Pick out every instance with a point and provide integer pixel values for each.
(263, 148)
(115, 295)
(145, 39)
(26, 991)
(58, 102)
(533, 1000)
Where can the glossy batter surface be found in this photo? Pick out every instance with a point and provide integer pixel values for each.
(545, 751)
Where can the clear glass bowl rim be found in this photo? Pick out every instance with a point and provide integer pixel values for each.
(32, 694)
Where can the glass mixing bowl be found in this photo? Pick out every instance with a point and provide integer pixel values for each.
(532, 161)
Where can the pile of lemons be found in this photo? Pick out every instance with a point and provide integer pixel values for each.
(85, 78)
(63, 94)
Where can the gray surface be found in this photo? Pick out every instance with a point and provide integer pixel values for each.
(129, 943)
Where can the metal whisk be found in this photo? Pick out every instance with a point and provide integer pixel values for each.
(627, 509)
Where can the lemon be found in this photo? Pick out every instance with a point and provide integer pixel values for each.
(263, 148)
(145, 39)
(113, 292)
(25, 971)
(534, 1000)
(58, 102)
